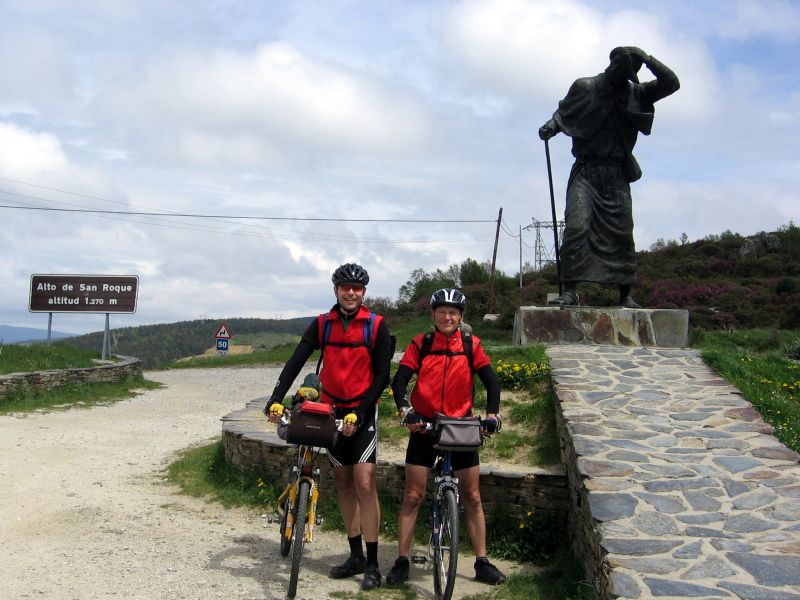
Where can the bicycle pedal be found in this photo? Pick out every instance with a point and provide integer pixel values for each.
(419, 559)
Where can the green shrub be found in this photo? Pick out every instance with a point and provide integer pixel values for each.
(535, 538)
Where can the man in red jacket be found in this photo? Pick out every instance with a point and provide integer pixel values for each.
(356, 355)
(452, 396)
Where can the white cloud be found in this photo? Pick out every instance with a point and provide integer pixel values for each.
(779, 19)
(259, 107)
(534, 49)
(26, 153)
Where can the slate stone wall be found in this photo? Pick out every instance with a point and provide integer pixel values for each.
(249, 444)
(41, 381)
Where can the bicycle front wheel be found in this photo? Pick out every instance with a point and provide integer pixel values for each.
(303, 494)
(445, 546)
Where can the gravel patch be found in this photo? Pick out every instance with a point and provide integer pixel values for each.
(85, 512)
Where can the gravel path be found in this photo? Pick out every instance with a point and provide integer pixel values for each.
(85, 513)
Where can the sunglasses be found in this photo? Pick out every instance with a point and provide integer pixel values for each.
(349, 287)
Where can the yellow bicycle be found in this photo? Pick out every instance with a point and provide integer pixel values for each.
(297, 505)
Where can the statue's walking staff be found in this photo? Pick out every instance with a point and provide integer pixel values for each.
(553, 210)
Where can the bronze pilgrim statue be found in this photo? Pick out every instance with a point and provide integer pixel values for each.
(604, 115)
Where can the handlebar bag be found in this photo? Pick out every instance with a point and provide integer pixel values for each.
(312, 424)
(457, 434)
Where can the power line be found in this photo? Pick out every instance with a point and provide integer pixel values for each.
(151, 217)
(243, 217)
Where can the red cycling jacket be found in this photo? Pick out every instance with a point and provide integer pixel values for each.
(444, 379)
(346, 360)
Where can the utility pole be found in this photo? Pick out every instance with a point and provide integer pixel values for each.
(520, 257)
(494, 260)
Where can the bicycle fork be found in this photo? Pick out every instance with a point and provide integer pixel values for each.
(442, 483)
(312, 517)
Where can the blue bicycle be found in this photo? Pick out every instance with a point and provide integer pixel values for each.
(446, 505)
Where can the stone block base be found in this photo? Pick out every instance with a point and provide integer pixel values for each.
(599, 325)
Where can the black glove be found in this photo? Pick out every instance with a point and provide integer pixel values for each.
(491, 426)
(411, 417)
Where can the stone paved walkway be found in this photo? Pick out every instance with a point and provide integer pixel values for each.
(679, 488)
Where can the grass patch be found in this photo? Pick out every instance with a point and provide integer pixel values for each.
(24, 359)
(756, 362)
(202, 472)
(24, 399)
(562, 580)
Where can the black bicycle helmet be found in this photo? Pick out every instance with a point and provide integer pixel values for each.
(448, 297)
(350, 273)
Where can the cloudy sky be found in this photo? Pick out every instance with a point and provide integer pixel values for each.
(419, 115)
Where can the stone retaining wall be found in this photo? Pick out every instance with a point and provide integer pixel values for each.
(41, 381)
(678, 487)
(249, 444)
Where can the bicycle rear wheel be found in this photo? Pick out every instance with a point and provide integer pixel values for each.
(303, 494)
(286, 537)
(445, 546)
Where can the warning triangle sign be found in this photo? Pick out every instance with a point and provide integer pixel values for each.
(223, 332)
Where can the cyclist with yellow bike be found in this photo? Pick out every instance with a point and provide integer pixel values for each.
(355, 356)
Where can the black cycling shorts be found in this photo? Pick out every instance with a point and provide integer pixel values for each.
(421, 452)
(361, 447)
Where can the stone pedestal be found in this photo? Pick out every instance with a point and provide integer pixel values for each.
(598, 325)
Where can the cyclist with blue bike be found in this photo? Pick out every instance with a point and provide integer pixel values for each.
(445, 362)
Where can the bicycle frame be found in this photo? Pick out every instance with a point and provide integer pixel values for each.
(302, 470)
(299, 515)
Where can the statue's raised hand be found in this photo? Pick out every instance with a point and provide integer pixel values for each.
(638, 57)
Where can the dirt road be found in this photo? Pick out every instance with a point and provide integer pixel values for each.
(85, 513)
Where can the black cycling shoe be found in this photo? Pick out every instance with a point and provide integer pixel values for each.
(399, 572)
(372, 578)
(488, 573)
(352, 566)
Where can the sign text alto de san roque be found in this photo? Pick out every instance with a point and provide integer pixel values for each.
(84, 293)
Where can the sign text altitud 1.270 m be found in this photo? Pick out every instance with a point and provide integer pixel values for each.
(84, 293)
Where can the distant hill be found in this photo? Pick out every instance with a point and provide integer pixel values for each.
(157, 345)
(12, 335)
(725, 281)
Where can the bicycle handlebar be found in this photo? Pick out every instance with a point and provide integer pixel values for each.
(488, 426)
(287, 418)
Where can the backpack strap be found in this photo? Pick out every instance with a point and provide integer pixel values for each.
(325, 333)
(425, 347)
(369, 331)
(466, 338)
(427, 344)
